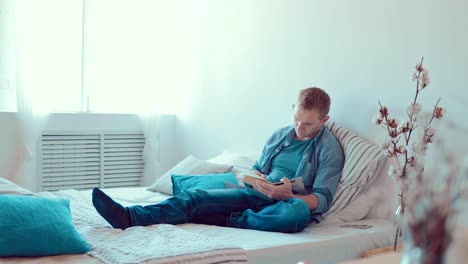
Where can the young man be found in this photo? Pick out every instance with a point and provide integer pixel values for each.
(306, 149)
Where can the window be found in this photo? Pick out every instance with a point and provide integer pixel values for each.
(106, 56)
(50, 51)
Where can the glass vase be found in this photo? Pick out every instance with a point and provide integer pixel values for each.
(418, 255)
(399, 220)
(427, 251)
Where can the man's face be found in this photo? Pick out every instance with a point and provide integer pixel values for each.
(307, 123)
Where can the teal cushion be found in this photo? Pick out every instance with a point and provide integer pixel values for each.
(181, 183)
(37, 226)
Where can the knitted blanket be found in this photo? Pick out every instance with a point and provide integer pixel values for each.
(161, 243)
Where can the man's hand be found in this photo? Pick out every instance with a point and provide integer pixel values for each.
(276, 192)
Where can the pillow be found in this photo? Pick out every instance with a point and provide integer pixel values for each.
(37, 226)
(386, 202)
(240, 160)
(242, 163)
(189, 166)
(364, 166)
(8, 187)
(204, 182)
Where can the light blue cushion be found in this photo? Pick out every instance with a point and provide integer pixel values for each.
(37, 226)
(181, 183)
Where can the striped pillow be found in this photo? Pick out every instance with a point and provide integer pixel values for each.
(363, 167)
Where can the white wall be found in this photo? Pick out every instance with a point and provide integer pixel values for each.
(254, 56)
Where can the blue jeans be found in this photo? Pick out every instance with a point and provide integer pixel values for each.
(238, 208)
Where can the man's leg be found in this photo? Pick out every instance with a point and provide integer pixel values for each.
(287, 216)
(180, 209)
(200, 206)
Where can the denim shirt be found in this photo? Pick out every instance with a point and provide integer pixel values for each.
(320, 167)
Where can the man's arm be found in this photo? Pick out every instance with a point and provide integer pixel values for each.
(327, 177)
(310, 199)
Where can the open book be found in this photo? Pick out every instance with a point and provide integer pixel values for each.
(296, 183)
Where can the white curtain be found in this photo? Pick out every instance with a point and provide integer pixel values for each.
(31, 111)
(141, 54)
(10, 168)
(154, 71)
(6, 56)
(151, 152)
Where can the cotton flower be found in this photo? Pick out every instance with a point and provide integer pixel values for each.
(383, 111)
(393, 134)
(439, 112)
(377, 120)
(392, 122)
(427, 190)
(406, 126)
(419, 67)
(429, 134)
(408, 156)
(400, 143)
(414, 108)
(425, 72)
(401, 149)
(428, 139)
(424, 79)
(430, 131)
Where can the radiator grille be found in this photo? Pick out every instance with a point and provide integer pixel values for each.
(84, 161)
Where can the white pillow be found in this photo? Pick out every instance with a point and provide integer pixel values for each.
(363, 168)
(188, 166)
(387, 201)
(8, 187)
(242, 163)
(240, 160)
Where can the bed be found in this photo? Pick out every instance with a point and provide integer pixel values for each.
(359, 201)
(327, 242)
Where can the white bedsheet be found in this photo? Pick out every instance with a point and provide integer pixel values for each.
(323, 243)
(327, 243)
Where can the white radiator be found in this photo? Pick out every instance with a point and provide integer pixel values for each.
(83, 160)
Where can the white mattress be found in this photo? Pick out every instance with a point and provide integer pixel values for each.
(323, 243)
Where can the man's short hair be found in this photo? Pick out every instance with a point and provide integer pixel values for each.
(314, 98)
